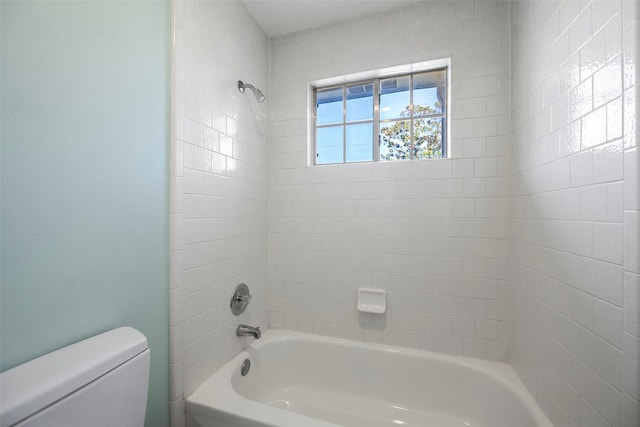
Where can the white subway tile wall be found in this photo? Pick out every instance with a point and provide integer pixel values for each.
(575, 209)
(433, 233)
(524, 246)
(218, 187)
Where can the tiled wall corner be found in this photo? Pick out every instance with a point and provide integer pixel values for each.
(218, 188)
(176, 235)
(572, 236)
(433, 233)
(631, 334)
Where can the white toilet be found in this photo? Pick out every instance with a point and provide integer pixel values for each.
(101, 381)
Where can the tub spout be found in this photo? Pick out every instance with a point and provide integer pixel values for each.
(246, 330)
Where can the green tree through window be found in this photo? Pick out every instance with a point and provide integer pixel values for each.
(396, 142)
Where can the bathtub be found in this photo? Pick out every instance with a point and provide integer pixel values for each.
(303, 380)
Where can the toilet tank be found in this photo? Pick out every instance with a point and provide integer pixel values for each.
(101, 381)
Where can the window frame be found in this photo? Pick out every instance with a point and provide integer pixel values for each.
(374, 78)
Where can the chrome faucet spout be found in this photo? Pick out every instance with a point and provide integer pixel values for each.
(246, 330)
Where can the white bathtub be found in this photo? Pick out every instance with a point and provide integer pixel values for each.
(303, 380)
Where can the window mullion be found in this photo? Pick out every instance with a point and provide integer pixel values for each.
(344, 124)
(411, 155)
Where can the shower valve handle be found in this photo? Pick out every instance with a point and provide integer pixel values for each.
(240, 299)
(243, 299)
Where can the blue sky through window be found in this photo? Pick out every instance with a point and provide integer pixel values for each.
(360, 142)
(329, 106)
(329, 145)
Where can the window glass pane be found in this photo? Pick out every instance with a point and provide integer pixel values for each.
(360, 142)
(360, 102)
(329, 147)
(394, 98)
(395, 140)
(427, 137)
(329, 106)
(429, 93)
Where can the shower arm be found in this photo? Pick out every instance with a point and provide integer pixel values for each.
(242, 86)
(256, 92)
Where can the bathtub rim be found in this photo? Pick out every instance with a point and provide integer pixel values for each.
(206, 400)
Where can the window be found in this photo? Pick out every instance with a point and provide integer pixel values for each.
(401, 117)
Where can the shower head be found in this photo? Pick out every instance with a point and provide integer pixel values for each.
(256, 92)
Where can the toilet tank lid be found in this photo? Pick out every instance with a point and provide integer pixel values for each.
(36, 384)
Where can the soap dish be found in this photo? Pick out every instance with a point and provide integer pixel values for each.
(372, 300)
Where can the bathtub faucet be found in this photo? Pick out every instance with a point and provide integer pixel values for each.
(246, 330)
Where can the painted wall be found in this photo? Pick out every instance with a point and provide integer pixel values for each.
(433, 233)
(575, 258)
(219, 187)
(84, 178)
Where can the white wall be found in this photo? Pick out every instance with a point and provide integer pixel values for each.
(218, 183)
(575, 207)
(433, 233)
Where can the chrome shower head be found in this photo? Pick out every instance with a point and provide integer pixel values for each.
(256, 92)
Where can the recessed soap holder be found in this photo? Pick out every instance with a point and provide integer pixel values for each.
(240, 299)
(372, 300)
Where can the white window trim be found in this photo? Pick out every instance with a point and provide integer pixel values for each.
(414, 68)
